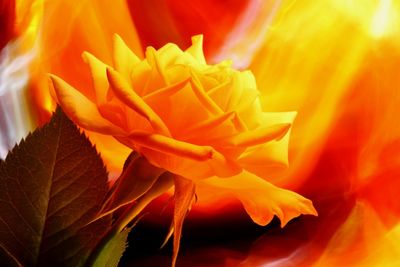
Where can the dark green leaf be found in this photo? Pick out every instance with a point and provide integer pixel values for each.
(51, 186)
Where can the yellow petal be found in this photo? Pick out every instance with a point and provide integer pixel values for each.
(168, 54)
(160, 62)
(242, 83)
(124, 59)
(153, 59)
(213, 131)
(266, 159)
(179, 109)
(204, 99)
(181, 158)
(220, 92)
(127, 95)
(81, 110)
(261, 199)
(167, 91)
(261, 135)
(210, 124)
(99, 77)
(196, 50)
(171, 146)
(245, 98)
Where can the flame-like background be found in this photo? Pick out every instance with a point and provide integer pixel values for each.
(336, 62)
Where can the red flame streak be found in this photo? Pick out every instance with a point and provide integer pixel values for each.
(7, 21)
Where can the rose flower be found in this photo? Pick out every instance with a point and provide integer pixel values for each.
(203, 123)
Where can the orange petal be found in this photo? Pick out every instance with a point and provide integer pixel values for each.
(266, 159)
(81, 110)
(219, 92)
(123, 57)
(167, 91)
(204, 99)
(261, 135)
(261, 199)
(181, 151)
(171, 146)
(208, 125)
(99, 77)
(127, 95)
(181, 158)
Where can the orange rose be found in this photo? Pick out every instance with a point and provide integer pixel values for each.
(194, 120)
(203, 123)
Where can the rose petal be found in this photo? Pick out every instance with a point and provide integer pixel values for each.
(261, 135)
(81, 110)
(196, 49)
(219, 93)
(127, 95)
(243, 85)
(153, 59)
(184, 159)
(261, 199)
(210, 125)
(168, 54)
(202, 96)
(99, 78)
(171, 146)
(179, 109)
(123, 58)
(166, 91)
(264, 160)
